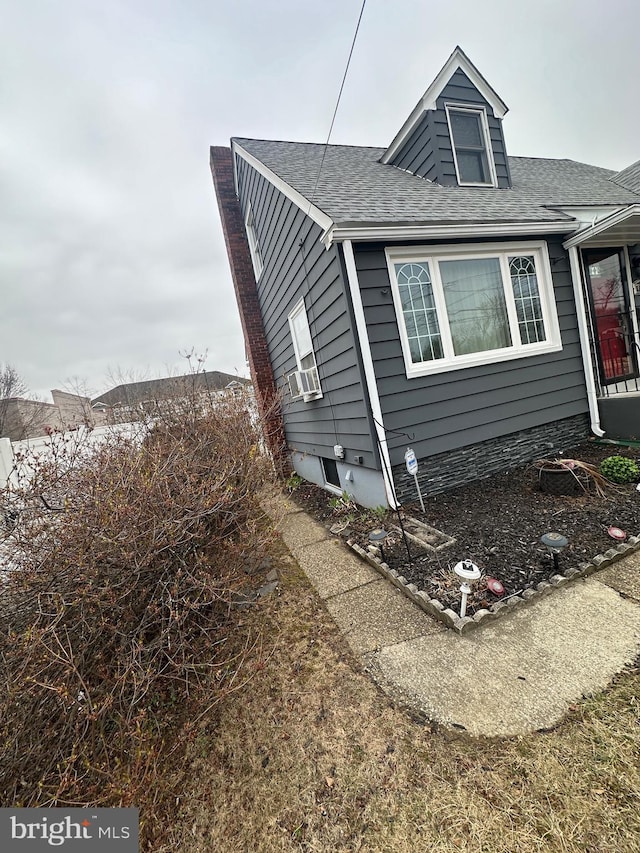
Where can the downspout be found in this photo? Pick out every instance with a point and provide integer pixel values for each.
(583, 330)
(369, 373)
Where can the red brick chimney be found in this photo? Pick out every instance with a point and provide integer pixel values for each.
(244, 283)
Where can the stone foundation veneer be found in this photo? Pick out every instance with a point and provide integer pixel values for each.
(476, 461)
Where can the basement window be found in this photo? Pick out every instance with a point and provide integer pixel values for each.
(330, 471)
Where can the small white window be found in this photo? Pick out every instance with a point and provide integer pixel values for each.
(254, 246)
(460, 306)
(304, 382)
(472, 153)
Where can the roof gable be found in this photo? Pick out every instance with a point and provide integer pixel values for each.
(458, 61)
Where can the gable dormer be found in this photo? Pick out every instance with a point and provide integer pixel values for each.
(454, 135)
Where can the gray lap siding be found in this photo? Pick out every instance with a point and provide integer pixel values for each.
(297, 265)
(448, 411)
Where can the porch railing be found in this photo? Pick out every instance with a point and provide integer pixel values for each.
(620, 363)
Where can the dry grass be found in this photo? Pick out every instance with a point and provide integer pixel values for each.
(312, 757)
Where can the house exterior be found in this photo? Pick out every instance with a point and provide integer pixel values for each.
(21, 418)
(132, 401)
(438, 294)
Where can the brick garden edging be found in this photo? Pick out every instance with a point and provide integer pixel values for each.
(452, 620)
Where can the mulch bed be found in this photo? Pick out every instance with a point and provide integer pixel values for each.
(497, 523)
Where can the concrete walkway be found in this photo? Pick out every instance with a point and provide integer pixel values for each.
(517, 674)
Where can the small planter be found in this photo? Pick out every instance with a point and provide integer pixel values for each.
(562, 480)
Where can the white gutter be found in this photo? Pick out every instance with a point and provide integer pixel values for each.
(369, 373)
(604, 224)
(583, 330)
(360, 233)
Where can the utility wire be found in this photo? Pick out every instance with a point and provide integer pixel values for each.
(335, 112)
(396, 431)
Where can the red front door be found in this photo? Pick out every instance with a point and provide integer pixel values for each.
(611, 314)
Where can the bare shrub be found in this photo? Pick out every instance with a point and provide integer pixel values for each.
(116, 603)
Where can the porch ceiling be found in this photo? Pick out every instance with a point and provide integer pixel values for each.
(615, 230)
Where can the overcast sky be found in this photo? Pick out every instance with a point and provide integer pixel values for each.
(111, 250)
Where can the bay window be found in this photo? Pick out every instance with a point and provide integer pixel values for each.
(459, 306)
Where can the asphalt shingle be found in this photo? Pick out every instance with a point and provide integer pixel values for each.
(629, 177)
(356, 189)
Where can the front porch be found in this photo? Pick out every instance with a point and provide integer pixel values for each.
(605, 265)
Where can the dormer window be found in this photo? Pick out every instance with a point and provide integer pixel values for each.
(470, 141)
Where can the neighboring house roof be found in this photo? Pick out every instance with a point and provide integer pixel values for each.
(130, 393)
(356, 189)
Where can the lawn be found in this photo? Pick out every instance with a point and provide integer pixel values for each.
(311, 756)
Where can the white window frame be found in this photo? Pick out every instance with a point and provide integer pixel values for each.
(300, 353)
(254, 245)
(484, 127)
(432, 255)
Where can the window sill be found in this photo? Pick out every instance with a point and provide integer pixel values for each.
(492, 357)
(477, 184)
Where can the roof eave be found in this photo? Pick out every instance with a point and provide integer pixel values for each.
(374, 233)
(592, 232)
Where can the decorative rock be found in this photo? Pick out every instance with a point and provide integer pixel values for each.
(267, 589)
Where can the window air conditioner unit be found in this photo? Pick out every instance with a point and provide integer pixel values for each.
(305, 384)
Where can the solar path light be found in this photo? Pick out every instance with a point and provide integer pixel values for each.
(555, 542)
(469, 573)
(377, 537)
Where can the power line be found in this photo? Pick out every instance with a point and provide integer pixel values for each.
(335, 112)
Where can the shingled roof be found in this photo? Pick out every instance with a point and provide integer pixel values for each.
(131, 393)
(629, 177)
(356, 189)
